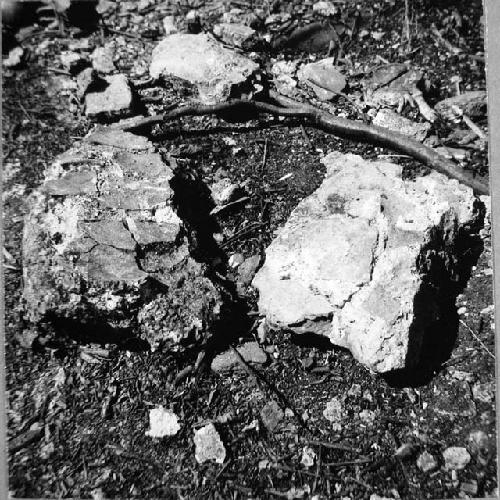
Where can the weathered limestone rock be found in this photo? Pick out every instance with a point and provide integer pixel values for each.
(102, 59)
(102, 245)
(114, 101)
(202, 61)
(324, 78)
(368, 258)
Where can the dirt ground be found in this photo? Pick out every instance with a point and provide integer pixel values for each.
(77, 424)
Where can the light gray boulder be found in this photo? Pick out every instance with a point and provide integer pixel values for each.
(203, 61)
(366, 259)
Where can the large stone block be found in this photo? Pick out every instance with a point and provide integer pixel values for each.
(369, 260)
(103, 245)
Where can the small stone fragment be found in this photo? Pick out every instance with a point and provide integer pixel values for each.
(426, 462)
(162, 423)
(283, 77)
(169, 25)
(250, 351)
(406, 450)
(324, 78)
(208, 445)
(354, 390)
(456, 458)
(367, 417)
(324, 9)
(14, 58)
(119, 139)
(115, 101)
(237, 35)
(224, 191)
(271, 416)
(102, 60)
(247, 270)
(485, 393)
(479, 446)
(334, 413)
(308, 457)
(387, 118)
(469, 488)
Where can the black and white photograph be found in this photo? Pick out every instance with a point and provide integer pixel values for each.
(248, 249)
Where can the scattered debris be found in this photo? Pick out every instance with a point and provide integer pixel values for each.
(162, 423)
(208, 445)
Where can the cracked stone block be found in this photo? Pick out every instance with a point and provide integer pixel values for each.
(203, 61)
(103, 245)
(369, 260)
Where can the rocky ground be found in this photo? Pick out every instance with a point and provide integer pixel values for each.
(98, 416)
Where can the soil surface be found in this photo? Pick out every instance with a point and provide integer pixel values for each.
(78, 412)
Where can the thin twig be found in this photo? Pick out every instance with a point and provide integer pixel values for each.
(341, 127)
(477, 338)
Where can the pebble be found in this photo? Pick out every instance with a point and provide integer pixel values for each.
(169, 25)
(324, 8)
(484, 393)
(208, 445)
(102, 60)
(478, 445)
(14, 58)
(308, 457)
(250, 351)
(224, 191)
(456, 458)
(488, 310)
(354, 390)
(247, 270)
(162, 423)
(115, 101)
(469, 488)
(462, 311)
(367, 417)
(406, 450)
(333, 412)
(426, 462)
(72, 61)
(235, 260)
(271, 416)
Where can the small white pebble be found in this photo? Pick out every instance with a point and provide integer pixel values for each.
(462, 311)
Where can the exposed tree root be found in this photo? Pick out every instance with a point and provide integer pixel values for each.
(245, 110)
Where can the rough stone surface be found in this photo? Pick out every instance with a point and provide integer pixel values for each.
(235, 34)
(115, 101)
(208, 445)
(324, 78)
(368, 258)
(224, 191)
(73, 62)
(324, 8)
(102, 245)
(85, 80)
(251, 352)
(203, 61)
(387, 118)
